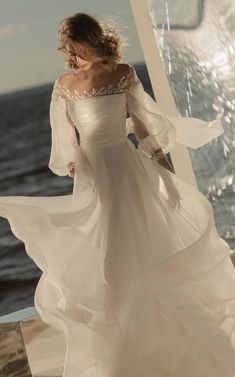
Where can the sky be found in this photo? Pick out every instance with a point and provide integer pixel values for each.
(28, 37)
(28, 34)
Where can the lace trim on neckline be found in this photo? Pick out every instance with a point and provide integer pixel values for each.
(60, 91)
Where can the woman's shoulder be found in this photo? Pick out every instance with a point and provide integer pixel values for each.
(64, 78)
(59, 86)
(68, 82)
(129, 75)
(126, 68)
(122, 68)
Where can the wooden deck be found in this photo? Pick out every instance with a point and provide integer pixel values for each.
(29, 347)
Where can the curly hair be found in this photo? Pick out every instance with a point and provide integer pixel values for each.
(95, 41)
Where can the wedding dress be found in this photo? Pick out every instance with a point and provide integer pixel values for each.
(135, 274)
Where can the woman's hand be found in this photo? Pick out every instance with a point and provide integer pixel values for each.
(71, 166)
(161, 159)
(174, 198)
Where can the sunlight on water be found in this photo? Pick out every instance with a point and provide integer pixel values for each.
(198, 54)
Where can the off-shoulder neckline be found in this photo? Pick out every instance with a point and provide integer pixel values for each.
(119, 88)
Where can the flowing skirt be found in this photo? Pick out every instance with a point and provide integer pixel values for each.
(135, 274)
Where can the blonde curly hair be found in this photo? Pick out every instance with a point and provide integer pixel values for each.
(95, 41)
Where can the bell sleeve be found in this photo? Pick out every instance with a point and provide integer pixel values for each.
(64, 142)
(164, 131)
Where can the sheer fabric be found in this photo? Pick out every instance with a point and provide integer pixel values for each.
(134, 273)
(164, 130)
(64, 143)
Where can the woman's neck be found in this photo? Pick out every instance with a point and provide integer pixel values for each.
(94, 71)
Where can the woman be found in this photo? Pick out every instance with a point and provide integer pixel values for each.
(134, 271)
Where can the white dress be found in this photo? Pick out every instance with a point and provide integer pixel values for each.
(135, 274)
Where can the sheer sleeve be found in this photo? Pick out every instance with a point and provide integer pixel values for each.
(163, 130)
(64, 143)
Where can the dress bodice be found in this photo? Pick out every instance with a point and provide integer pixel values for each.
(99, 114)
(100, 120)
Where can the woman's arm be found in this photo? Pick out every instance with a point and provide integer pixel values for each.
(71, 167)
(162, 159)
(165, 130)
(141, 133)
(64, 143)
